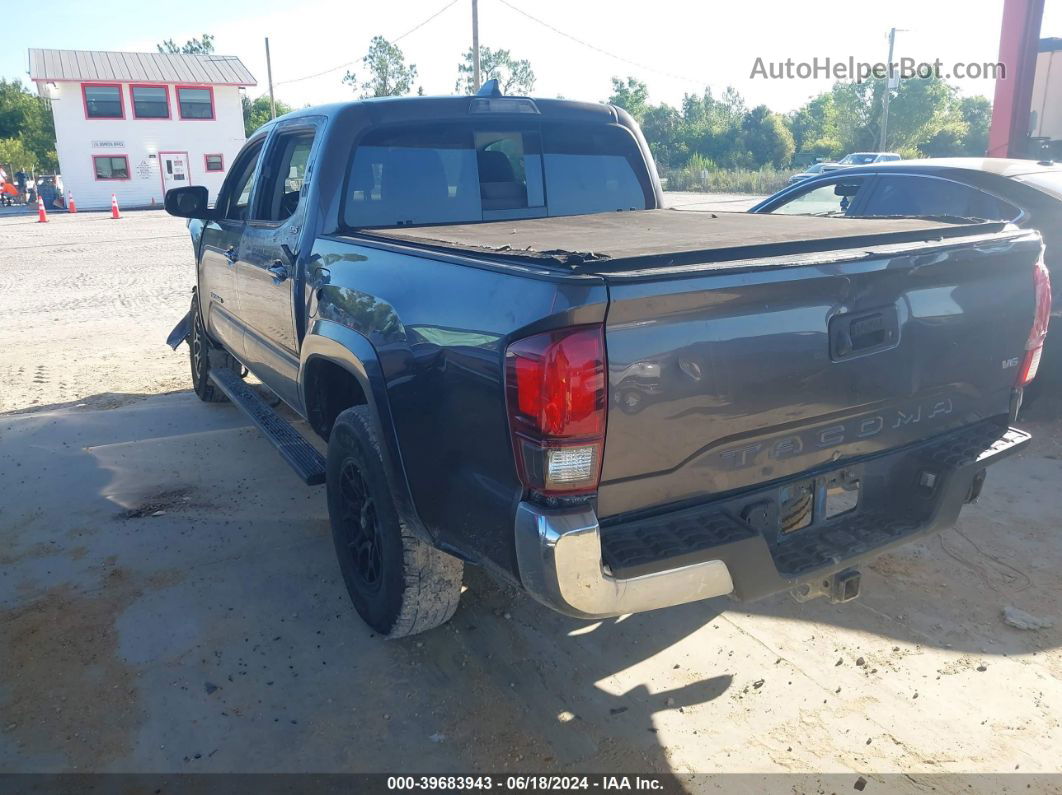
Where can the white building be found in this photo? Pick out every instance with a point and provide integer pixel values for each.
(1047, 93)
(137, 124)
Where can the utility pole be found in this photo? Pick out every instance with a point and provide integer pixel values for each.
(475, 45)
(269, 75)
(888, 90)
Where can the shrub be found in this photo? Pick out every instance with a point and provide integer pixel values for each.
(696, 177)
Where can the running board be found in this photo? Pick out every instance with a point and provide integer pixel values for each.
(299, 453)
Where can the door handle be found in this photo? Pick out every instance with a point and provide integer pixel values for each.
(279, 271)
(231, 255)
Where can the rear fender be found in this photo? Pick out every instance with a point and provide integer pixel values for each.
(355, 354)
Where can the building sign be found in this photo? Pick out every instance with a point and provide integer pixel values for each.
(108, 144)
(143, 169)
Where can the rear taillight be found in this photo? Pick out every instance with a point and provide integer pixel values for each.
(556, 393)
(1034, 348)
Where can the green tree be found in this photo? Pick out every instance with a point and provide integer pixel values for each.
(766, 139)
(15, 155)
(389, 75)
(732, 106)
(977, 113)
(816, 127)
(660, 125)
(926, 117)
(28, 118)
(712, 127)
(202, 46)
(632, 96)
(515, 77)
(858, 115)
(256, 112)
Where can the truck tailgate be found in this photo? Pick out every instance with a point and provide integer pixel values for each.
(720, 380)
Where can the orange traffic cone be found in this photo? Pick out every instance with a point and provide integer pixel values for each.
(114, 207)
(42, 216)
(71, 207)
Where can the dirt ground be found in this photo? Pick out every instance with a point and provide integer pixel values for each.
(83, 300)
(169, 600)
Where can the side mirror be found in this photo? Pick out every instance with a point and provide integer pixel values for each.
(189, 202)
(846, 189)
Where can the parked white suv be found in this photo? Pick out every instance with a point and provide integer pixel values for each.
(866, 158)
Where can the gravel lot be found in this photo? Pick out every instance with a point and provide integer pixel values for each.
(169, 601)
(85, 302)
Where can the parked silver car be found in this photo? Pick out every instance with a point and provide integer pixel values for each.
(813, 171)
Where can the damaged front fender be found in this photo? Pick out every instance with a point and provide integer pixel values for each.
(180, 331)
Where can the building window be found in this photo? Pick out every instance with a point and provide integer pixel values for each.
(195, 103)
(103, 101)
(150, 102)
(214, 162)
(111, 166)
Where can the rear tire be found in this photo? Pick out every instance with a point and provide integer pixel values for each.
(203, 354)
(399, 584)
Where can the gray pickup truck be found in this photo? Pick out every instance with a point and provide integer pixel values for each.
(513, 357)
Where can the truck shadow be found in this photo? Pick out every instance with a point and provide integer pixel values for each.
(594, 692)
(101, 400)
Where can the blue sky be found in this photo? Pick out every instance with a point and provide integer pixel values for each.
(676, 45)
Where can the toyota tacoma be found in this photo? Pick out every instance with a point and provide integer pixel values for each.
(512, 356)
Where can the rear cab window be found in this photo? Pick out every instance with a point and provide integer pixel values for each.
(462, 172)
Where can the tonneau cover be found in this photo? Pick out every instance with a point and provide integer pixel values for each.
(612, 241)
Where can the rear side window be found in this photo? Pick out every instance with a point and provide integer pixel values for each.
(922, 196)
(457, 173)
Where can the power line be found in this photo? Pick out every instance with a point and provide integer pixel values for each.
(316, 74)
(595, 48)
(413, 29)
(417, 27)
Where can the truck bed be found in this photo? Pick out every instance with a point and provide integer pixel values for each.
(612, 242)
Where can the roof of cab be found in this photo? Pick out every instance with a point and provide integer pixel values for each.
(382, 110)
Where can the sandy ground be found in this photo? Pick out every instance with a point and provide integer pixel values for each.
(85, 305)
(169, 599)
(711, 202)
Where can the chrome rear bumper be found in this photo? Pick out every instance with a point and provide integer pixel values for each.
(559, 554)
(701, 551)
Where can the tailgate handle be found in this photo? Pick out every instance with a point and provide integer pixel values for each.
(867, 332)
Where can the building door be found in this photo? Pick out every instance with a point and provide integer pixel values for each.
(174, 170)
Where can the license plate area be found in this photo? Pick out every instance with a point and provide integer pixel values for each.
(842, 493)
(816, 500)
(796, 507)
